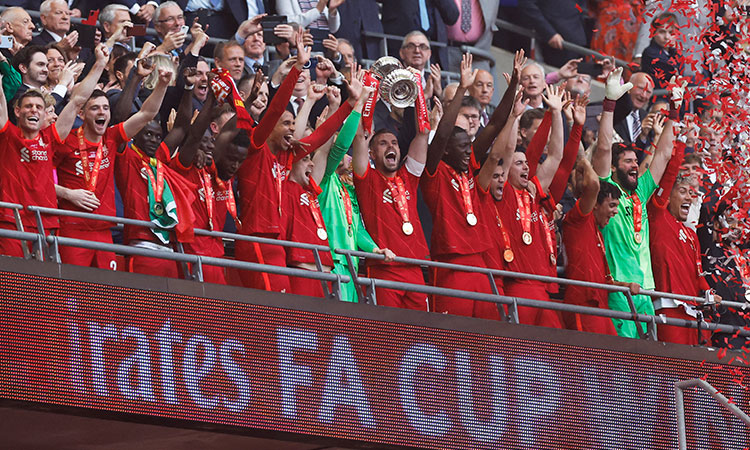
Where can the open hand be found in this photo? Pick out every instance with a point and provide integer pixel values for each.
(468, 75)
(614, 89)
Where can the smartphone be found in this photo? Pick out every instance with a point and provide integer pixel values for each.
(184, 29)
(269, 23)
(86, 35)
(137, 30)
(6, 41)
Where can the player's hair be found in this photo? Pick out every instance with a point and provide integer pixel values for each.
(607, 189)
(664, 20)
(528, 118)
(241, 140)
(222, 46)
(619, 148)
(98, 93)
(30, 93)
(246, 83)
(471, 102)
(159, 62)
(219, 111)
(26, 54)
(692, 158)
(108, 13)
(122, 62)
(378, 133)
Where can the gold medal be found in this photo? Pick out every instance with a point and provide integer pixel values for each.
(322, 234)
(638, 238)
(407, 228)
(526, 238)
(471, 219)
(508, 255)
(158, 209)
(552, 259)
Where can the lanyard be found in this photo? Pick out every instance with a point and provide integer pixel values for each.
(346, 199)
(600, 244)
(508, 255)
(230, 202)
(156, 184)
(317, 216)
(90, 176)
(463, 184)
(208, 196)
(398, 192)
(524, 213)
(550, 240)
(637, 217)
(694, 248)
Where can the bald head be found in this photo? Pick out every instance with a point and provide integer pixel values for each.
(17, 24)
(643, 89)
(483, 88)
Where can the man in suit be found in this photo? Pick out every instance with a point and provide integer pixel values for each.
(475, 26)
(18, 24)
(222, 16)
(428, 16)
(358, 16)
(631, 109)
(55, 15)
(31, 63)
(555, 21)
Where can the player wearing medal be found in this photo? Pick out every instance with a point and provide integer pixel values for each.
(626, 237)
(269, 158)
(450, 192)
(85, 168)
(675, 252)
(26, 175)
(531, 236)
(387, 196)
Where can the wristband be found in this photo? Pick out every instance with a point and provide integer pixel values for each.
(608, 105)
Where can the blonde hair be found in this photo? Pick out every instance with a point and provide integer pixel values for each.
(160, 61)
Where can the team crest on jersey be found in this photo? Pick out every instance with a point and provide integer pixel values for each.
(455, 185)
(278, 171)
(104, 164)
(388, 197)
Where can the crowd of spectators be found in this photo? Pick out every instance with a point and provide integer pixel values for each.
(278, 131)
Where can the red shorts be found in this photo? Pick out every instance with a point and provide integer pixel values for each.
(12, 247)
(679, 335)
(396, 298)
(466, 281)
(306, 286)
(263, 254)
(153, 266)
(534, 291)
(83, 256)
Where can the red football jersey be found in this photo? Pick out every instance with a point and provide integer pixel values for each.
(205, 245)
(452, 233)
(533, 258)
(382, 217)
(675, 254)
(490, 210)
(132, 180)
(70, 174)
(300, 225)
(26, 173)
(584, 246)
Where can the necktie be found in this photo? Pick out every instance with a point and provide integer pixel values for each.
(465, 15)
(261, 7)
(298, 101)
(217, 4)
(423, 17)
(636, 130)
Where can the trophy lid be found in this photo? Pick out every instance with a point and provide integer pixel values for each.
(385, 65)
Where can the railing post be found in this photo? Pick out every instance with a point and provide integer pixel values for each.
(198, 270)
(336, 288)
(681, 434)
(183, 264)
(319, 265)
(19, 227)
(513, 312)
(42, 243)
(355, 278)
(495, 291)
(54, 250)
(634, 312)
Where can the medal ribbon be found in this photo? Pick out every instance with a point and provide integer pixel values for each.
(599, 239)
(524, 210)
(549, 238)
(315, 209)
(398, 192)
(506, 238)
(368, 110)
(90, 176)
(696, 250)
(208, 196)
(347, 205)
(280, 173)
(420, 105)
(230, 202)
(158, 183)
(463, 183)
(637, 212)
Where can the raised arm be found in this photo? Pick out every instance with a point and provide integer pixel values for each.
(143, 67)
(614, 89)
(439, 144)
(314, 93)
(195, 132)
(498, 119)
(666, 140)
(590, 180)
(504, 145)
(546, 171)
(81, 93)
(661, 196)
(182, 122)
(151, 106)
(570, 152)
(3, 107)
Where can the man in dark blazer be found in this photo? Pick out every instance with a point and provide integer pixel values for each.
(402, 16)
(55, 16)
(221, 23)
(358, 16)
(555, 21)
(631, 109)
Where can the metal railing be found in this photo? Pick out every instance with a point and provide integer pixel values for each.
(680, 386)
(49, 246)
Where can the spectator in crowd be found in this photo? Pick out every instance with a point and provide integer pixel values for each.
(482, 90)
(357, 17)
(114, 16)
(168, 22)
(31, 63)
(474, 27)
(471, 112)
(555, 22)
(320, 17)
(222, 17)
(532, 81)
(631, 110)
(255, 49)
(661, 58)
(528, 126)
(626, 237)
(16, 22)
(55, 15)
(230, 56)
(428, 16)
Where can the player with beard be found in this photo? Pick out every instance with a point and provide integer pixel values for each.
(531, 234)
(85, 168)
(459, 235)
(626, 237)
(26, 175)
(675, 251)
(270, 157)
(387, 195)
(584, 246)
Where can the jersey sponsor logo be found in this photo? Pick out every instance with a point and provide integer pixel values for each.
(202, 194)
(143, 173)
(455, 185)
(683, 236)
(534, 216)
(304, 199)
(221, 196)
(28, 155)
(388, 198)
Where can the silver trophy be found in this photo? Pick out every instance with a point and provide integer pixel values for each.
(398, 86)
